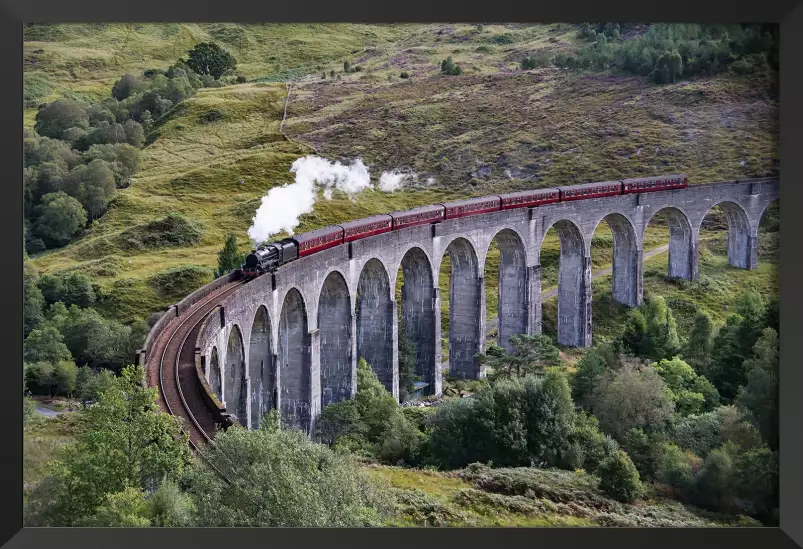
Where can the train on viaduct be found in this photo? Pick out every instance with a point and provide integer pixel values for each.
(290, 338)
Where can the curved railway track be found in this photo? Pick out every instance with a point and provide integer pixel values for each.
(171, 368)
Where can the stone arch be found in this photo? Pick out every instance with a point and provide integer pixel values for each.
(334, 325)
(374, 311)
(766, 233)
(682, 245)
(738, 232)
(214, 376)
(235, 385)
(512, 290)
(418, 313)
(260, 367)
(574, 286)
(465, 309)
(626, 285)
(294, 362)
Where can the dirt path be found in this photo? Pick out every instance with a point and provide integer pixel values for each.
(549, 294)
(47, 411)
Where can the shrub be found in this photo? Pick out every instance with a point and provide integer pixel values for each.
(33, 300)
(404, 75)
(93, 185)
(401, 441)
(756, 480)
(699, 433)
(128, 443)
(677, 468)
(714, 487)
(60, 218)
(70, 289)
(126, 86)
(282, 479)
(209, 58)
(45, 345)
(632, 397)
(57, 117)
(520, 421)
(449, 67)
(241, 79)
(619, 478)
(588, 446)
(171, 230)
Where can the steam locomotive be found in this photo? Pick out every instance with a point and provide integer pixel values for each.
(268, 257)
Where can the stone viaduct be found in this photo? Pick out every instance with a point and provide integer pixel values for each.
(291, 340)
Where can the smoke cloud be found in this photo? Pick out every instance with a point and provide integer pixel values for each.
(392, 181)
(282, 207)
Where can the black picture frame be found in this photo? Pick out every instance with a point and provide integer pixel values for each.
(13, 15)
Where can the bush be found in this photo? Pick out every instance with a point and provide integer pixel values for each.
(57, 117)
(521, 421)
(210, 59)
(714, 487)
(122, 158)
(93, 185)
(404, 75)
(45, 345)
(588, 446)
(677, 469)
(634, 396)
(171, 230)
(449, 67)
(756, 479)
(401, 441)
(127, 443)
(241, 79)
(282, 479)
(619, 478)
(126, 86)
(60, 218)
(70, 289)
(699, 433)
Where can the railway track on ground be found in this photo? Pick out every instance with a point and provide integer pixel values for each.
(171, 368)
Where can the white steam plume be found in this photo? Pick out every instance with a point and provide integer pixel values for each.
(282, 206)
(392, 181)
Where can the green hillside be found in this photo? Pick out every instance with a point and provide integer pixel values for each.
(493, 128)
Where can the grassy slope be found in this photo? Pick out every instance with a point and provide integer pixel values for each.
(556, 498)
(541, 127)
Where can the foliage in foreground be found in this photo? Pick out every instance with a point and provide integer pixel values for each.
(126, 450)
(279, 478)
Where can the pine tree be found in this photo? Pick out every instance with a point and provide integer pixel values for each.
(228, 258)
(760, 394)
(700, 343)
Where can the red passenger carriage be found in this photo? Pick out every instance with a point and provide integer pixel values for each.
(590, 190)
(418, 216)
(472, 206)
(363, 228)
(319, 240)
(530, 199)
(659, 183)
